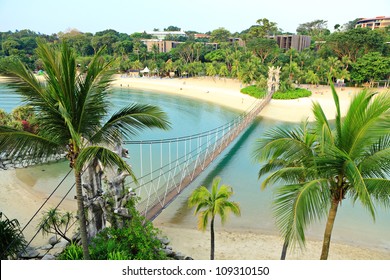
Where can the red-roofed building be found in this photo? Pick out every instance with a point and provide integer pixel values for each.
(373, 23)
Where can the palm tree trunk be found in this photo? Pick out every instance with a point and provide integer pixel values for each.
(212, 239)
(81, 214)
(328, 229)
(284, 250)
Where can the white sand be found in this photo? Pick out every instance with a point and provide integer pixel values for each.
(20, 201)
(227, 93)
(252, 245)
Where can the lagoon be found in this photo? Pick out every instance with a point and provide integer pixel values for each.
(236, 167)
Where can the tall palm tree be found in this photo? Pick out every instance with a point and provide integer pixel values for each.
(288, 155)
(349, 159)
(72, 115)
(209, 204)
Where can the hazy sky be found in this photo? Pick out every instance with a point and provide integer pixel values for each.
(52, 16)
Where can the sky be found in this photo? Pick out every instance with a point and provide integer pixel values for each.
(53, 16)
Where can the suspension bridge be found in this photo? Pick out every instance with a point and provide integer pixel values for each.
(168, 166)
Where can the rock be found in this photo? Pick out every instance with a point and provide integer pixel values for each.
(53, 240)
(169, 248)
(9, 166)
(164, 240)
(179, 256)
(189, 259)
(168, 252)
(48, 257)
(61, 244)
(30, 253)
(46, 247)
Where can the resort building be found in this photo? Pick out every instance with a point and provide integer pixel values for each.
(374, 23)
(298, 42)
(162, 34)
(201, 36)
(163, 46)
(237, 41)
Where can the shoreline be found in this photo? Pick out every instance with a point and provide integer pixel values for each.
(226, 92)
(241, 244)
(233, 244)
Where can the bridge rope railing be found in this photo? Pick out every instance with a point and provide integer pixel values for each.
(160, 185)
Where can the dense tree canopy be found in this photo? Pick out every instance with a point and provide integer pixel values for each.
(338, 55)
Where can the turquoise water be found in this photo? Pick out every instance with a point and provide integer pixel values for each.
(235, 166)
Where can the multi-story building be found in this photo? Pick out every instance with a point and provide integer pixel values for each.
(163, 46)
(298, 42)
(373, 23)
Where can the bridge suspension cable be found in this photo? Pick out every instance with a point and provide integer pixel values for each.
(167, 166)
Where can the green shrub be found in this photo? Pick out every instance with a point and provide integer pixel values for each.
(12, 241)
(72, 252)
(137, 240)
(287, 94)
(254, 91)
(292, 94)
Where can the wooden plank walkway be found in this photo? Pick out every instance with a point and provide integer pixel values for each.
(171, 193)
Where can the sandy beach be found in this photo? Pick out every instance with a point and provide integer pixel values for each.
(18, 200)
(227, 93)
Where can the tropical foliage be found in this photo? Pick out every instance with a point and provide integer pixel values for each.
(137, 240)
(12, 241)
(72, 116)
(244, 55)
(55, 222)
(210, 204)
(314, 168)
(257, 92)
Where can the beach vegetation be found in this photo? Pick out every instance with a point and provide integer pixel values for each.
(294, 93)
(12, 241)
(254, 91)
(72, 116)
(21, 117)
(291, 93)
(315, 167)
(53, 221)
(136, 240)
(210, 204)
(72, 252)
(371, 67)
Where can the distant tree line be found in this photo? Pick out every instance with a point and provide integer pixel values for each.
(356, 56)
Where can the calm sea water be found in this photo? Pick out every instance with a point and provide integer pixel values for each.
(235, 166)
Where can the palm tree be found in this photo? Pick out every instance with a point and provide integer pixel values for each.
(209, 204)
(291, 165)
(350, 160)
(72, 115)
(12, 240)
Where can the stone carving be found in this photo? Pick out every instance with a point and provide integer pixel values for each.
(273, 79)
(109, 204)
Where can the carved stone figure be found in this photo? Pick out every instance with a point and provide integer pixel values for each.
(105, 202)
(273, 79)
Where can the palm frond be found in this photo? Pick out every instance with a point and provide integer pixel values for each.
(369, 121)
(359, 186)
(287, 175)
(107, 158)
(297, 206)
(379, 190)
(279, 144)
(129, 121)
(376, 161)
(25, 144)
(323, 129)
(93, 93)
(337, 105)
